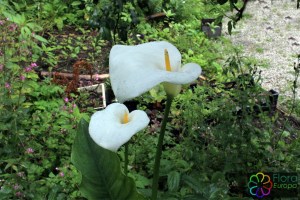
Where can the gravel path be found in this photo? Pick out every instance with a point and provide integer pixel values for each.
(270, 32)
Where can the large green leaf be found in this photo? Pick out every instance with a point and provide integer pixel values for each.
(102, 177)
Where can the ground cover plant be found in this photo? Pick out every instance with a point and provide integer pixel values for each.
(220, 129)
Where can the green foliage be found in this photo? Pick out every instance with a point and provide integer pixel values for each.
(102, 177)
(114, 18)
(36, 124)
(78, 44)
(237, 6)
(50, 14)
(226, 130)
(218, 133)
(121, 17)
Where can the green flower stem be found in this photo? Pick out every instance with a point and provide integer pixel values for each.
(159, 148)
(126, 159)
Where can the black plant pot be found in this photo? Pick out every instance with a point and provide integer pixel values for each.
(269, 104)
(205, 27)
(273, 99)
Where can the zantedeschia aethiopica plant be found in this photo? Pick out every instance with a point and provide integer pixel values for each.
(114, 126)
(133, 70)
(136, 69)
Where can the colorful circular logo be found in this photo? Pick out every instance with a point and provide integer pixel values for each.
(260, 185)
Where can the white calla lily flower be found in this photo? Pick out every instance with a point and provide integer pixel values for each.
(114, 126)
(136, 69)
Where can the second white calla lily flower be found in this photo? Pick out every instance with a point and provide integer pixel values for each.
(136, 69)
(114, 126)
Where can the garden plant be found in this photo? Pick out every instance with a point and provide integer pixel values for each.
(187, 117)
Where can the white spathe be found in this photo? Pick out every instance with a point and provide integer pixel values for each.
(136, 69)
(107, 129)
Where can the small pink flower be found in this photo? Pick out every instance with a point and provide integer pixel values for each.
(29, 150)
(33, 64)
(61, 174)
(1, 22)
(22, 77)
(7, 85)
(19, 194)
(16, 187)
(74, 105)
(64, 107)
(97, 77)
(66, 100)
(1, 67)
(71, 111)
(12, 27)
(28, 69)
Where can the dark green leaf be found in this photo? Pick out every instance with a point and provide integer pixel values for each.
(59, 22)
(173, 181)
(34, 26)
(75, 3)
(40, 38)
(100, 168)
